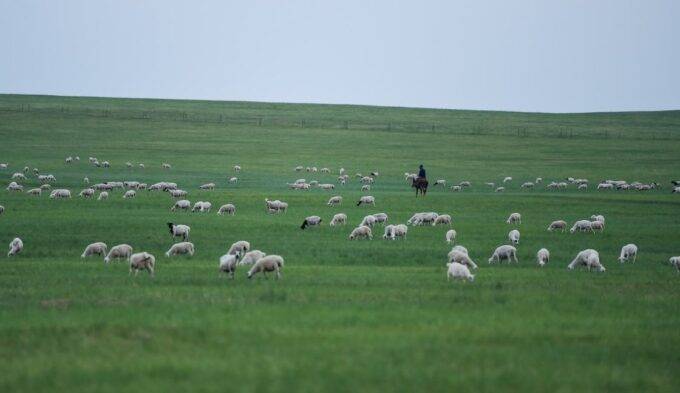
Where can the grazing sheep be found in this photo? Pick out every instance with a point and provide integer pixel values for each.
(228, 263)
(676, 190)
(456, 188)
(366, 187)
(106, 164)
(311, 221)
(539, 180)
(2, 209)
(275, 206)
(457, 249)
(461, 257)
(60, 193)
(422, 218)
(542, 256)
(240, 247)
(500, 189)
(439, 182)
(128, 165)
(444, 219)
(180, 249)
(177, 193)
(26, 169)
(97, 248)
(141, 166)
(166, 165)
(182, 204)
(394, 231)
(628, 251)
(515, 218)
(327, 186)
(45, 187)
(15, 247)
(675, 261)
(597, 217)
(507, 179)
(367, 180)
(3, 166)
(325, 170)
(583, 186)
(582, 226)
(559, 224)
(527, 185)
(86, 180)
(269, 263)
(336, 200)
(381, 218)
(589, 258)
(229, 209)
(491, 185)
(366, 200)
(597, 225)
(34, 191)
(338, 219)
(251, 257)
(458, 271)
(207, 186)
(142, 261)
(179, 230)
(368, 221)
(18, 176)
(69, 160)
(129, 194)
(202, 207)
(465, 183)
(237, 168)
(361, 232)
(605, 186)
(513, 236)
(504, 252)
(451, 236)
(233, 180)
(298, 168)
(103, 195)
(13, 186)
(119, 251)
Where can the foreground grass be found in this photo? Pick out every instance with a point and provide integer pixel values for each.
(369, 315)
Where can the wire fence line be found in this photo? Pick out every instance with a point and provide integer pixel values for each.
(290, 121)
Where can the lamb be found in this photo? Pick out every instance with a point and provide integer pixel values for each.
(542, 256)
(515, 218)
(97, 248)
(228, 209)
(311, 221)
(269, 263)
(336, 200)
(129, 194)
(513, 236)
(507, 179)
(381, 218)
(366, 200)
(34, 191)
(361, 232)
(458, 271)
(15, 247)
(60, 193)
(675, 261)
(237, 168)
(240, 247)
(444, 219)
(142, 261)
(628, 251)
(504, 252)
(559, 224)
(103, 195)
(233, 180)
(179, 230)
(338, 219)
(461, 257)
(228, 263)
(182, 204)
(368, 221)
(439, 182)
(589, 258)
(251, 257)
(180, 249)
(582, 226)
(119, 251)
(207, 186)
(451, 236)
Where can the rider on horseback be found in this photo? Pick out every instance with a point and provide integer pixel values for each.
(421, 173)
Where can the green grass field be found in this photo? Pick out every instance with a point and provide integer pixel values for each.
(347, 316)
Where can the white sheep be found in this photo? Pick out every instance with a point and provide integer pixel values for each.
(207, 186)
(539, 180)
(605, 186)
(119, 251)
(325, 170)
(456, 188)
(597, 217)
(60, 193)
(97, 248)
(583, 186)
(326, 186)
(34, 191)
(589, 258)
(443, 219)
(228, 263)
(3, 165)
(142, 261)
(542, 256)
(180, 249)
(128, 165)
(507, 179)
(228, 209)
(240, 247)
(465, 183)
(269, 263)
(45, 187)
(177, 193)
(366, 187)
(165, 165)
(18, 176)
(141, 166)
(458, 271)
(368, 221)
(129, 194)
(251, 257)
(395, 231)
(202, 207)
(628, 251)
(439, 182)
(103, 195)
(582, 226)
(361, 232)
(513, 236)
(422, 218)
(13, 186)
(298, 168)
(338, 219)
(2, 209)
(15, 247)
(461, 257)
(381, 218)
(276, 206)
(457, 249)
(451, 236)
(182, 204)
(335, 200)
(366, 200)
(179, 230)
(233, 180)
(500, 189)
(515, 218)
(237, 168)
(527, 185)
(504, 252)
(311, 221)
(559, 224)
(86, 180)
(675, 261)
(597, 225)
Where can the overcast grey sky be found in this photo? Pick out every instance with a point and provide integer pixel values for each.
(525, 55)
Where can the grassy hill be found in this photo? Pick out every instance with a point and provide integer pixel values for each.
(367, 315)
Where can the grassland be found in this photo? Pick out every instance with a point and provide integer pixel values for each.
(347, 316)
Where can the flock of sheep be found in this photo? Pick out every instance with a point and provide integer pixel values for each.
(240, 253)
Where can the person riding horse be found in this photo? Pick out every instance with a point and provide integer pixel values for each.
(420, 183)
(421, 173)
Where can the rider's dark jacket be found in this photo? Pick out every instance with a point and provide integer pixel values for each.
(421, 173)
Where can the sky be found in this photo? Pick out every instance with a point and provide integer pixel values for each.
(513, 55)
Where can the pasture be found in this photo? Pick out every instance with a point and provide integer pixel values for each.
(370, 315)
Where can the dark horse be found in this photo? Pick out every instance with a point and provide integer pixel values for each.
(420, 184)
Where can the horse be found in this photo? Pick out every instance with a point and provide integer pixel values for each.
(420, 184)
